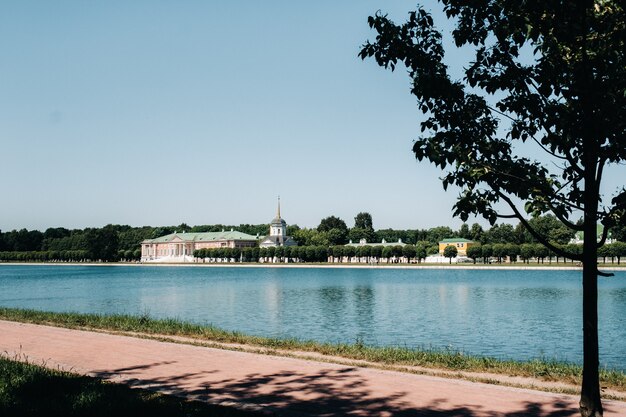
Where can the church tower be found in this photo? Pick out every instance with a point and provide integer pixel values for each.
(278, 227)
(278, 233)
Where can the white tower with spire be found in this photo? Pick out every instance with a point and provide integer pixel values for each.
(278, 227)
(278, 233)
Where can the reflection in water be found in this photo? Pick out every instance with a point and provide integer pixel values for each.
(618, 295)
(546, 294)
(332, 301)
(273, 302)
(508, 314)
(363, 298)
(443, 295)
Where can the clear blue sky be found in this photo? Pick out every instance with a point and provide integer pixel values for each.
(163, 112)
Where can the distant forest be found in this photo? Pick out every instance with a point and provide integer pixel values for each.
(120, 242)
(109, 243)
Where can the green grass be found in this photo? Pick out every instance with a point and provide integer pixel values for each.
(546, 370)
(31, 390)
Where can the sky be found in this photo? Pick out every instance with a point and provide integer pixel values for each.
(203, 112)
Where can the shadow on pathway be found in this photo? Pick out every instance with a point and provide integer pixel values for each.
(328, 392)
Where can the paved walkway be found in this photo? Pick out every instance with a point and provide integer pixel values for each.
(278, 385)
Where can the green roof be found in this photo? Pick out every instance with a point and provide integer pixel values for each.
(203, 237)
(456, 240)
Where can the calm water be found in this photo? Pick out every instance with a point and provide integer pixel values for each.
(505, 314)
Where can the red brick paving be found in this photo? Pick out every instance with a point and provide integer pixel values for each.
(278, 385)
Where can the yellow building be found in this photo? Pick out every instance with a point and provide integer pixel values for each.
(460, 244)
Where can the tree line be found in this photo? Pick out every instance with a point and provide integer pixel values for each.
(109, 243)
(122, 242)
(333, 230)
(499, 252)
(528, 251)
(318, 253)
(46, 256)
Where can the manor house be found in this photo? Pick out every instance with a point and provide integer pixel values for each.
(179, 247)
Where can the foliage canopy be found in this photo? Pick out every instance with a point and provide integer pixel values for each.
(561, 87)
(549, 74)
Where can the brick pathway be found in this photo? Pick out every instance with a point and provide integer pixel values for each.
(278, 385)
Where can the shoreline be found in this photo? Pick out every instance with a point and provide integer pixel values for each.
(320, 266)
(536, 374)
(270, 383)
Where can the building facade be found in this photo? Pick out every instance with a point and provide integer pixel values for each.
(179, 247)
(460, 244)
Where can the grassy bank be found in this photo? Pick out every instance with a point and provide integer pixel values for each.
(30, 390)
(544, 370)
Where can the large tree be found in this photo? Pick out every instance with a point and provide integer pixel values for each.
(102, 244)
(356, 234)
(548, 226)
(450, 252)
(363, 220)
(332, 222)
(547, 78)
(363, 228)
(336, 229)
(499, 233)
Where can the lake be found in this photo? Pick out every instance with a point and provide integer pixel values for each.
(508, 314)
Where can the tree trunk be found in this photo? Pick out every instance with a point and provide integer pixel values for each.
(590, 402)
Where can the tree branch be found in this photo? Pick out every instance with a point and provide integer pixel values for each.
(506, 216)
(564, 220)
(493, 109)
(605, 233)
(568, 155)
(548, 151)
(568, 203)
(536, 235)
(601, 164)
